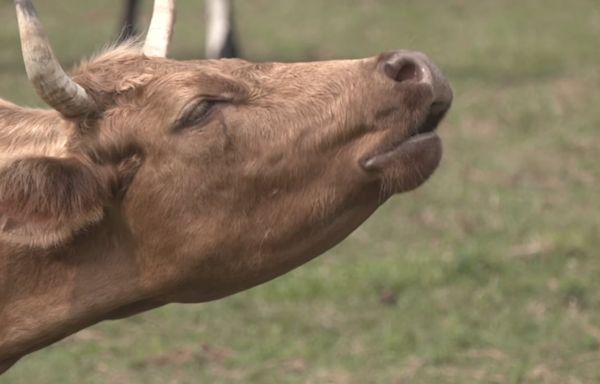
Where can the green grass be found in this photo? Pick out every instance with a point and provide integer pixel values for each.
(487, 274)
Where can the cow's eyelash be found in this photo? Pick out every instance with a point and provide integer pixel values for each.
(197, 114)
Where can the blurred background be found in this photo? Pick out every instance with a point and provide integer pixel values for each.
(489, 273)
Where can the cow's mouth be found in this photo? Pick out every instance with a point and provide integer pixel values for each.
(405, 158)
(421, 149)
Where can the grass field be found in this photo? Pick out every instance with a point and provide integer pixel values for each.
(490, 273)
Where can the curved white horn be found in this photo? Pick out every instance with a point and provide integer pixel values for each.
(161, 28)
(51, 82)
(218, 13)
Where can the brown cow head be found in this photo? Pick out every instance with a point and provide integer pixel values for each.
(154, 180)
(236, 172)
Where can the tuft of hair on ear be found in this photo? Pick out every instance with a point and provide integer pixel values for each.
(44, 200)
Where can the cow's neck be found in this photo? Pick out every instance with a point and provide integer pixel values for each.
(47, 295)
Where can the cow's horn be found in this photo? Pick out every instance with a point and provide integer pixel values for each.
(51, 82)
(161, 28)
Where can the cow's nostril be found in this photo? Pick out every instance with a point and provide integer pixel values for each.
(402, 69)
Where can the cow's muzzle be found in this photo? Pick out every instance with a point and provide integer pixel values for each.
(409, 66)
(412, 155)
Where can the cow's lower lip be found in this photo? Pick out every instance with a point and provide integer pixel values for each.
(409, 163)
(415, 147)
(408, 150)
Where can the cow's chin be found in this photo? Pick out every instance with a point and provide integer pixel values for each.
(406, 165)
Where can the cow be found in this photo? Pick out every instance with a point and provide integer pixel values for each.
(220, 35)
(154, 181)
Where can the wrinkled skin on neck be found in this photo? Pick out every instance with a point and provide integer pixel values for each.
(224, 174)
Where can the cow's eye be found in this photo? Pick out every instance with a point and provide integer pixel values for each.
(197, 114)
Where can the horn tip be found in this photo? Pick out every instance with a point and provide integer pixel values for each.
(26, 8)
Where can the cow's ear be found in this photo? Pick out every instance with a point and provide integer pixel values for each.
(45, 201)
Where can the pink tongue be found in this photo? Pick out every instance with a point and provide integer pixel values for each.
(417, 147)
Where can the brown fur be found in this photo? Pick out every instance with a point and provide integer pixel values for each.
(151, 201)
